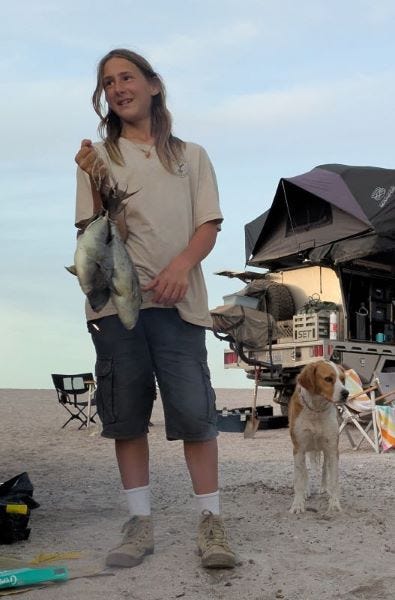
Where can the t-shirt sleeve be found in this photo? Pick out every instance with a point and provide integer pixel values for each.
(84, 200)
(206, 200)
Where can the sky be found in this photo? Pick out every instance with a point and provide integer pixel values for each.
(271, 89)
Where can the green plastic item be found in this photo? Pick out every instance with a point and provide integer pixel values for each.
(30, 576)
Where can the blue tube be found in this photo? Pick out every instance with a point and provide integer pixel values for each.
(30, 576)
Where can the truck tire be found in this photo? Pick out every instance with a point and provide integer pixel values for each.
(277, 300)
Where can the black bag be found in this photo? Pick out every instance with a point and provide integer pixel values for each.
(16, 502)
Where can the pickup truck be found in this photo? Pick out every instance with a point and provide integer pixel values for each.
(325, 259)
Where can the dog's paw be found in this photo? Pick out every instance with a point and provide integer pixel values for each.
(297, 506)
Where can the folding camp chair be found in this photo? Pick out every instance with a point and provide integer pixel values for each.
(360, 411)
(76, 393)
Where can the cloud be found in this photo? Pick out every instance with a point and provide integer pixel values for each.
(44, 119)
(182, 49)
(361, 106)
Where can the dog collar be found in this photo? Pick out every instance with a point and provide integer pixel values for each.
(307, 405)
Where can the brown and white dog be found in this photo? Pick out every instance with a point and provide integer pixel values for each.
(314, 428)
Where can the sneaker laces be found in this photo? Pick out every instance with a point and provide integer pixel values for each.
(135, 528)
(214, 529)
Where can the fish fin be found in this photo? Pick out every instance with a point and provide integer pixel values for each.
(71, 269)
(103, 274)
(114, 199)
(114, 289)
(98, 299)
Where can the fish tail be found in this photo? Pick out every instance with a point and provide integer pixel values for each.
(113, 199)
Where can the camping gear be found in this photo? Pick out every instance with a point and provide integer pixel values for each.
(29, 576)
(361, 317)
(360, 410)
(332, 214)
(333, 325)
(247, 326)
(234, 420)
(252, 423)
(76, 393)
(16, 501)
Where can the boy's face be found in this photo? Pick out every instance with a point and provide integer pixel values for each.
(128, 92)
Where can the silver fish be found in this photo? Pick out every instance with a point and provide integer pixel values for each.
(102, 264)
(91, 251)
(125, 285)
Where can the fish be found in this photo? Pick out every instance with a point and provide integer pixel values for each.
(102, 264)
(91, 251)
(125, 285)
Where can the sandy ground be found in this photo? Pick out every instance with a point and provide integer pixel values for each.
(350, 555)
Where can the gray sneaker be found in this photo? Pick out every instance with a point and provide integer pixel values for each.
(213, 544)
(137, 542)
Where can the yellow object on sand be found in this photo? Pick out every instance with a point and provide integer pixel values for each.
(47, 557)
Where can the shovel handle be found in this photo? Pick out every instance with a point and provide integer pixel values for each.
(254, 398)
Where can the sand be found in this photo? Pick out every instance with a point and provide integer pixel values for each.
(295, 557)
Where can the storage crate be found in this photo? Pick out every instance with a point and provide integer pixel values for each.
(284, 331)
(235, 420)
(273, 422)
(310, 326)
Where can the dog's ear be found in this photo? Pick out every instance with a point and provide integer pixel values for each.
(342, 372)
(307, 377)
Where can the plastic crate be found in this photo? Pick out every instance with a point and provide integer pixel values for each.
(235, 420)
(310, 326)
(274, 422)
(284, 331)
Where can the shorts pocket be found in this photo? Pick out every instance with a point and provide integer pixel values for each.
(211, 413)
(105, 390)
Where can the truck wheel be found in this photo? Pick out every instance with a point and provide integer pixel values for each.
(278, 301)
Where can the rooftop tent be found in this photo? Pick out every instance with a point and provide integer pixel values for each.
(333, 213)
(252, 232)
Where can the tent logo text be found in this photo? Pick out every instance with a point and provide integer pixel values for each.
(381, 195)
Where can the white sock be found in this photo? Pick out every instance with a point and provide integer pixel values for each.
(139, 501)
(208, 502)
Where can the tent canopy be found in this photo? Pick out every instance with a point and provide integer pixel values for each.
(332, 214)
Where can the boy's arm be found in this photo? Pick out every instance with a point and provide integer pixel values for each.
(171, 284)
(89, 161)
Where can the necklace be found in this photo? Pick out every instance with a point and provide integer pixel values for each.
(146, 151)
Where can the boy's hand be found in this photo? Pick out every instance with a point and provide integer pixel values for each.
(170, 286)
(89, 161)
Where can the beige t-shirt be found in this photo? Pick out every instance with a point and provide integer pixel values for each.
(161, 217)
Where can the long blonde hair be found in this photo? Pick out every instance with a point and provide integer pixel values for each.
(168, 147)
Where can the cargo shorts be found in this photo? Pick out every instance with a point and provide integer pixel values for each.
(161, 346)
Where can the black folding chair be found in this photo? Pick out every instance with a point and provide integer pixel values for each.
(76, 393)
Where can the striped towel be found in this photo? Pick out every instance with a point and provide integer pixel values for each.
(386, 421)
